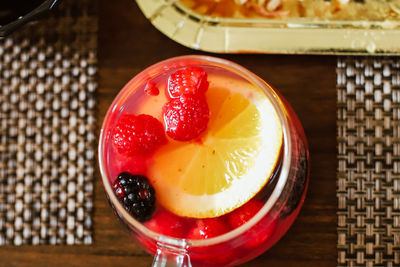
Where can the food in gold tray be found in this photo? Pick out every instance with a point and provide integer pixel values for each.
(322, 9)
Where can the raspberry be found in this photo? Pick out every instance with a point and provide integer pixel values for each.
(166, 223)
(137, 195)
(135, 135)
(241, 215)
(186, 117)
(208, 228)
(189, 80)
(151, 89)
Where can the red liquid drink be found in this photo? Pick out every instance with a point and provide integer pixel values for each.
(224, 181)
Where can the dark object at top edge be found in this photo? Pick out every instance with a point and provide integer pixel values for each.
(21, 19)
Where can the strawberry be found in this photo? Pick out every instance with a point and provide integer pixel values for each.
(186, 117)
(241, 215)
(188, 80)
(260, 234)
(166, 223)
(137, 135)
(151, 89)
(208, 228)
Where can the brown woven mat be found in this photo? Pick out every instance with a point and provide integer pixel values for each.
(47, 128)
(368, 186)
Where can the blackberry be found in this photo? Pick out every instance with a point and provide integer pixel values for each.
(137, 195)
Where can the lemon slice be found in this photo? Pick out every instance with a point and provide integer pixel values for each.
(230, 164)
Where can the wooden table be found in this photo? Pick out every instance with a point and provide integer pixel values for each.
(127, 44)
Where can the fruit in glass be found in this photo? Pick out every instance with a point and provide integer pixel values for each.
(204, 162)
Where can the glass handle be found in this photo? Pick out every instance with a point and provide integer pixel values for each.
(168, 256)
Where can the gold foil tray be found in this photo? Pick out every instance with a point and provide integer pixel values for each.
(289, 36)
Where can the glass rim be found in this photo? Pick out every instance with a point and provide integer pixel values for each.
(281, 179)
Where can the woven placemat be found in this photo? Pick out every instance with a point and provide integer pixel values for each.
(368, 188)
(47, 128)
